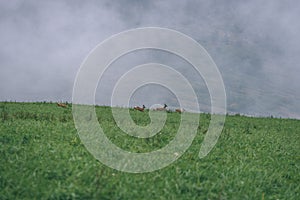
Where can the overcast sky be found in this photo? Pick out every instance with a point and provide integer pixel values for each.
(255, 44)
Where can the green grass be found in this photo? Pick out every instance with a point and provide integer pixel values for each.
(42, 157)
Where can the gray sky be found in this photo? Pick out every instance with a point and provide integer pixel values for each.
(255, 44)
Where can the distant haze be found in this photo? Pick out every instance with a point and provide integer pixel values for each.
(255, 44)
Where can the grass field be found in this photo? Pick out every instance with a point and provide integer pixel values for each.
(42, 157)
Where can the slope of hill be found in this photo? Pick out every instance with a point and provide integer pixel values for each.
(42, 157)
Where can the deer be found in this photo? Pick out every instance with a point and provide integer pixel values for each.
(139, 108)
(162, 109)
(179, 110)
(62, 105)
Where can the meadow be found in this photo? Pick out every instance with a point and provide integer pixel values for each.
(42, 157)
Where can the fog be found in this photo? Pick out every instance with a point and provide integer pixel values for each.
(255, 45)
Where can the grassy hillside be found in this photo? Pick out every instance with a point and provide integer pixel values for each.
(42, 157)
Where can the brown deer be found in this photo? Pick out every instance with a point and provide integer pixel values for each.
(139, 108)
(62, 105)
(179, 110)
(163, 108)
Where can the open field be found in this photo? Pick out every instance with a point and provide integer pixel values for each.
(42, 157)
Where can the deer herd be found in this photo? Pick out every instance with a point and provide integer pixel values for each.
(178, 110)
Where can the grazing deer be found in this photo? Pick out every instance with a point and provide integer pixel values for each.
(179, 110)
(62, 105)
(139, 108)
(162, 109)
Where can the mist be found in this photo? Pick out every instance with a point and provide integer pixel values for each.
(255, 45)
